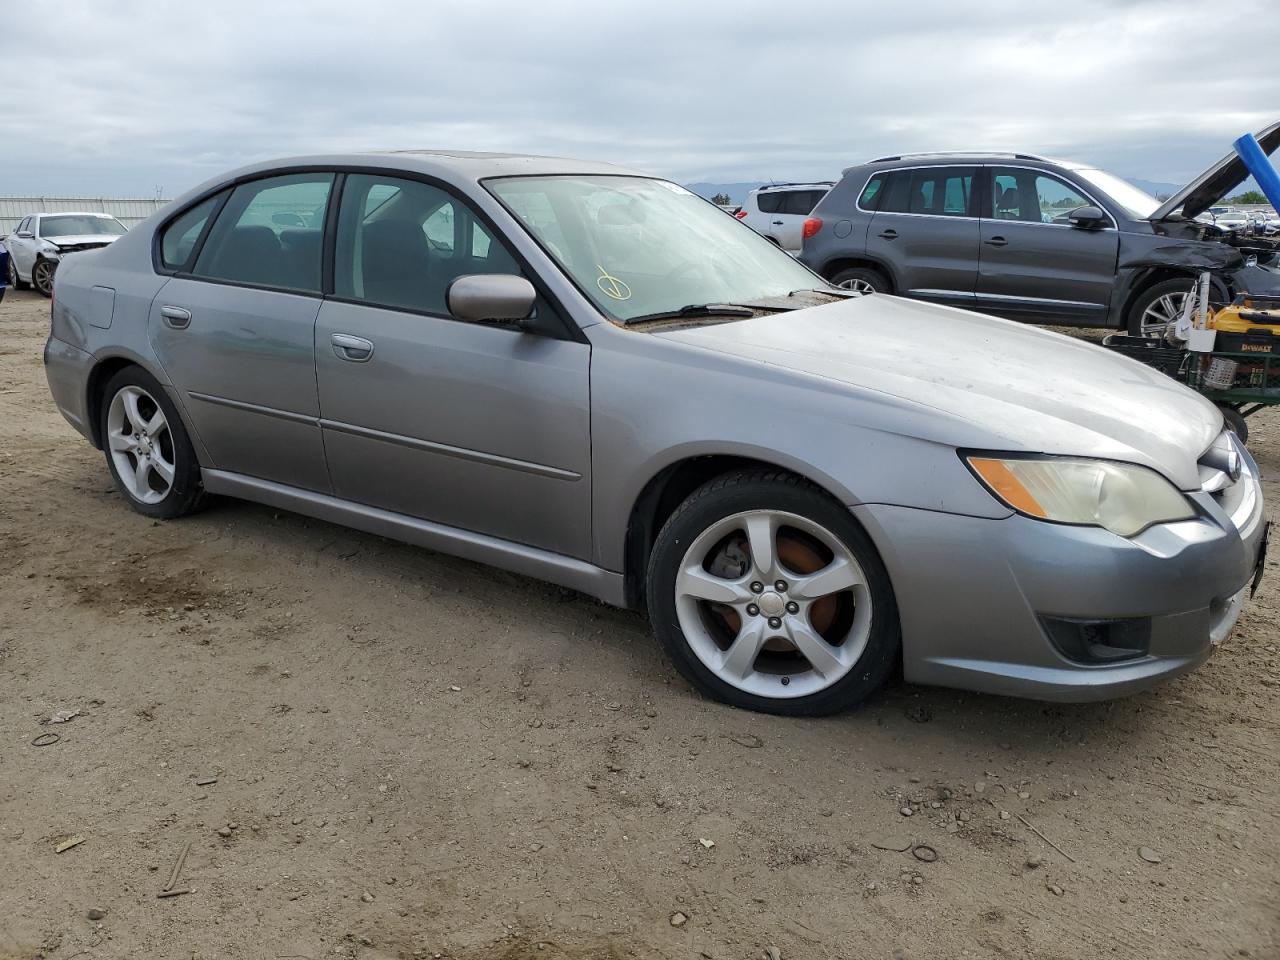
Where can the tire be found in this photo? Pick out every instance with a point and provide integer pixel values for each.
(16, 281)
(746, 650)
(169, 485)
(862, 279)
(1236, 423)
(1161, 298)
(42, 276)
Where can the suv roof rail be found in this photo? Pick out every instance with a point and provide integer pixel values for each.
(957, 154)
(802, 183)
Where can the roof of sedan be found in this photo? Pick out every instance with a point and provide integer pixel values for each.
(473, 165)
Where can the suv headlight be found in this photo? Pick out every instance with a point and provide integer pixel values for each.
(1121, 497)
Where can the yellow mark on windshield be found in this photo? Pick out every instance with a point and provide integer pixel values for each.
(611, 286)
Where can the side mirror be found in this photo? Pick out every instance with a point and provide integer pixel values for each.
(492, 296)
(1087, 218)
(25, 235)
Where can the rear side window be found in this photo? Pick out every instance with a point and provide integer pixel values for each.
(770, 202)
(869, 199)
(802, 202)
(270, 234)
(180, 236)
(931, 191)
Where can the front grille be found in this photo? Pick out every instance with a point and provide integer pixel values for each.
(77, 247)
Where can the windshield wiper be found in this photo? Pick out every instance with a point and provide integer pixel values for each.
(699, 310)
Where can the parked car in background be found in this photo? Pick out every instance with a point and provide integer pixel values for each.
(4, 270)
(595, 377)
(1032, 239)
(1231, 220)
(778, 211)
(41, 240)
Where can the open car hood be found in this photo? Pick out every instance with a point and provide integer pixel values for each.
(1215, 183)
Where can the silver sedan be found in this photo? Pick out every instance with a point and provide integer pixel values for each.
(592, 376)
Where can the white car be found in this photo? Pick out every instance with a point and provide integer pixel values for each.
(1230, 219)
(779, 210)
(43, 239)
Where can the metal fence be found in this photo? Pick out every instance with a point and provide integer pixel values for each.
(127, 210)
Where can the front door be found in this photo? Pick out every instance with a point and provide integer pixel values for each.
(235, 329)
(1035, 265)
(481, 427)
(925, 229)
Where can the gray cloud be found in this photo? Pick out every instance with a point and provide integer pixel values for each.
(128, 96)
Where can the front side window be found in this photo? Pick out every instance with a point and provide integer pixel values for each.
(24, 226)
(1033, 197)
(637, 246)
(270, 233)
(80, 225)
(180, 236)
(400, 243)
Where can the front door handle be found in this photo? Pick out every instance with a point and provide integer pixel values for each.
(889, 234)
(997, 242)
(347, 347)
(176, 317)
(777, 223)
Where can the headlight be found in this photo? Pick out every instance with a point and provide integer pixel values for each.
(1121, 497)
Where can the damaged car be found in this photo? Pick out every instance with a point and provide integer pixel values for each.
(41, 241)
(1038, 240)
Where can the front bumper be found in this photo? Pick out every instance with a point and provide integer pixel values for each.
(973, 593)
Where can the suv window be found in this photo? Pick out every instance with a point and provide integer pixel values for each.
(180, 236)
(770, 202)
(400, 243)
(1032, 197)
(269, 233)
(802, 202)
(870, 197)
(934, 191)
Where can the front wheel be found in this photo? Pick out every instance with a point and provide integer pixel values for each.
(768, 595)
(1159, 307)
(147, 448)
(42, 277)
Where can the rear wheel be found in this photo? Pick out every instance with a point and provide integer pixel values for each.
(42, 276)
(768, 595)
(861, 280)
(147, 448)
(16, 281)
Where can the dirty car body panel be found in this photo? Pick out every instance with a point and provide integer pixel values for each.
(544, 447)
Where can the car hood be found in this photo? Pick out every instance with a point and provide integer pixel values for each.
(988, 382)
(76, 241)
(1215, 183)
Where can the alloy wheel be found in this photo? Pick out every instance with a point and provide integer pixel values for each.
(1162, 313)
(140, 444)
(857, 285)
(773, 604)
(42, 276)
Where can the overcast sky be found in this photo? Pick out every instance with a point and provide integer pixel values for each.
(127, 97)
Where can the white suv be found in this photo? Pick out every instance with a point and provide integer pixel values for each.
(778, 211)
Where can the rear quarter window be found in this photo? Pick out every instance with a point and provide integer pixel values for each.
(770, 202)
(178, 241)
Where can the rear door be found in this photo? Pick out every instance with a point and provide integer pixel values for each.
(478, 426)
(925, 229)
(1035, 265)
(235, 329)
(794, 208)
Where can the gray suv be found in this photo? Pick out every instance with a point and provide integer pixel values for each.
(1033, 239)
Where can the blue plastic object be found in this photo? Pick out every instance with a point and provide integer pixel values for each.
(1260, 167)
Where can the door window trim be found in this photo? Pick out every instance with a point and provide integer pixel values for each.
(973, 193)
(567, 328)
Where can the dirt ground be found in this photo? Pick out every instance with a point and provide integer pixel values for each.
(420, 757)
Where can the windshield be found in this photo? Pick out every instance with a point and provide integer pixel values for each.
(1137, 203)
(80, 225)
(638, 246)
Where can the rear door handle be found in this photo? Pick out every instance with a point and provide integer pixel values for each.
(889, 234)
(777, 223)
(176, 317)
(347, 347)
(997, 242)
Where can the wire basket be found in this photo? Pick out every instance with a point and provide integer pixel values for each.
(1154, 353)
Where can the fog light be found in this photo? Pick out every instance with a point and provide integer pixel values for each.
(1099, 641)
